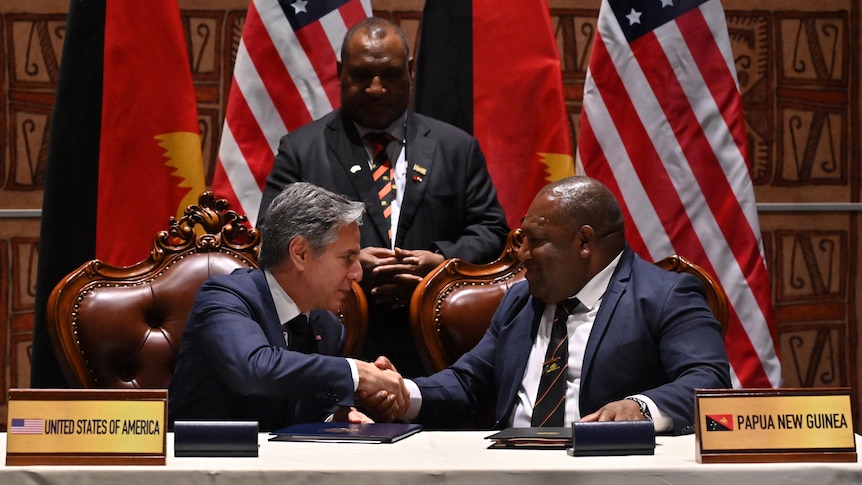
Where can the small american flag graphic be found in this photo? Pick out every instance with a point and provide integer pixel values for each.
(27, 426)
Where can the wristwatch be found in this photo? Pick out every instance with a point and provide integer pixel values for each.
(643, 406)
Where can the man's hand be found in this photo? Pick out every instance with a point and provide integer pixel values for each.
(370, 258)
(350, 415)
(382, 405)
(624, 410)
(418, 262)
(382, 387)
(393, 282)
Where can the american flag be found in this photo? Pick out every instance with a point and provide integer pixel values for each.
(27, 426)
(662, 126)
(284, 77)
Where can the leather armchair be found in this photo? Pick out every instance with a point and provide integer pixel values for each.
(114, 327)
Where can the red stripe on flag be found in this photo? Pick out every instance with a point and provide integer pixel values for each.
(704, 163)
(273, 73)
(225, 191)
(352, 12)
(601, 170)
(248, 136)
(720, 82)
(713, 68)
(646, 161)
(315, 43)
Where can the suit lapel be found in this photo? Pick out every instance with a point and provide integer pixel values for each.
(344, 144)
(419, 153)
(270, 324)
(616, 288)
(328, 332)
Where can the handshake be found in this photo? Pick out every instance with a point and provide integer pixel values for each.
(381, 393)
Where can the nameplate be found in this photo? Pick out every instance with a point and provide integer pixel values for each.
(86, 427)
(774, 425)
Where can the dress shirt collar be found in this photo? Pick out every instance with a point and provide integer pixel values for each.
(396, 129)
(285, 307)
(592, 292)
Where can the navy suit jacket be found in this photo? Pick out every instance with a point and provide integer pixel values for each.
(233, 363)
(654, 334)
(449, 202)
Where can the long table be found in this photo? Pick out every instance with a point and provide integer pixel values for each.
(437, 457)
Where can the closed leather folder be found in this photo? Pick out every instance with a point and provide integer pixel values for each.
(549, 438)
(215, 438)
(346, 432)
(613, 438)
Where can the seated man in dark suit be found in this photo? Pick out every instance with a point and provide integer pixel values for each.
(261, 344)
(436, 200)
(633, 340)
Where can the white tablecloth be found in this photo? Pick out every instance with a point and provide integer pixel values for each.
(439, 457)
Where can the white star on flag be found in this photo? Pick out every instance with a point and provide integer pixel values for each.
(634, 17)
(299, 6)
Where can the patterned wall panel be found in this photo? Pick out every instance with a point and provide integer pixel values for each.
(34, 43)
(753, 51)
(814, 113)
(204, 34)
(811, 300)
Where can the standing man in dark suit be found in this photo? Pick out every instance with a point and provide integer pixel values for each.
(443, 203)
(639, 339)
(261, 344)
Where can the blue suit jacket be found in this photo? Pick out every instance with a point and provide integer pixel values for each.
(234, 364)
(654, 334)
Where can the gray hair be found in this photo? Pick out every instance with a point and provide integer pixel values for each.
(305, 210)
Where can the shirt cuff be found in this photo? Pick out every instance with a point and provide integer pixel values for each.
(354, 373)
(661, 421)
(415, 401)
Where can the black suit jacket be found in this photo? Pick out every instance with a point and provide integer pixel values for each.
(449, 202)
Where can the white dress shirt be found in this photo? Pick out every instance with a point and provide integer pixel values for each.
(397, 152)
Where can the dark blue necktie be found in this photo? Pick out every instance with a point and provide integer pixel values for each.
(300, 338)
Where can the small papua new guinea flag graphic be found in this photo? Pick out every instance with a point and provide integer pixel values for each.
(719, 422)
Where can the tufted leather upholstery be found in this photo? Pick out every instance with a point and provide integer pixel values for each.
(117, 327)
(452, 306)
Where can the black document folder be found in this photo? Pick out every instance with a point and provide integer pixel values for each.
(533, 438)
(346, 432)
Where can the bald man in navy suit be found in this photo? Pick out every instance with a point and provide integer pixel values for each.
(640, 339)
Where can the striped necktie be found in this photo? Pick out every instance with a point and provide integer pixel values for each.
(550, 408)
(383, 174)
